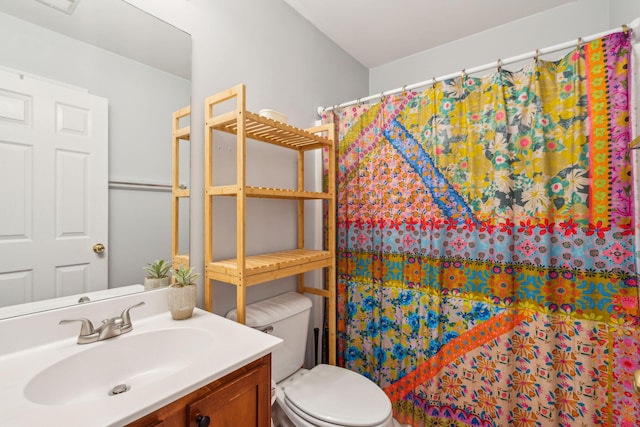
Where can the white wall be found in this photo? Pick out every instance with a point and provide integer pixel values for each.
(623, 12)
(141, 100)
(558, 25)
(287, 65)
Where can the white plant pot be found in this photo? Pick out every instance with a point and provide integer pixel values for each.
(152, 283)
(181, 301)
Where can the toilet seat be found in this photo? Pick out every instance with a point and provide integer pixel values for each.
(332, 396)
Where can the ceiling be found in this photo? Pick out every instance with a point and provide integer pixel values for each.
(115, 26)
(376, 32)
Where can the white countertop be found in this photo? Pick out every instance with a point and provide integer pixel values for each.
(52, 303)
(22, 357)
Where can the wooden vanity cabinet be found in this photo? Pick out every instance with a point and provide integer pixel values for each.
(240, 399)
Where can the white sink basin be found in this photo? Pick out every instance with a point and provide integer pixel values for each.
(136, 360)
(46, 376)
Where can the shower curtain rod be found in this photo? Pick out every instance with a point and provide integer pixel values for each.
(634, 27)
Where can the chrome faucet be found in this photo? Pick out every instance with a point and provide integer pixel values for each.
(108, 329)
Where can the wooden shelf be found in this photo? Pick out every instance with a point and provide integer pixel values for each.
(266, 193)
(180, 260)
(271, 266)
(178, 134)
(270, 131)
(245, 271)
(185, 131)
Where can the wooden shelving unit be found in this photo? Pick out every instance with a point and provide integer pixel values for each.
(178, 134)
(245, 271)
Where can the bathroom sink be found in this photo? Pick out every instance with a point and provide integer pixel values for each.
(119, 366)
(47, 376)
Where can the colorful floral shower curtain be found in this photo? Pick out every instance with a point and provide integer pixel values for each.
(485, 239)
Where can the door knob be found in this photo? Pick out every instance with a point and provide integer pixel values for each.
(98, 248)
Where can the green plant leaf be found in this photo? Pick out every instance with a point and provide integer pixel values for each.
(158, 269)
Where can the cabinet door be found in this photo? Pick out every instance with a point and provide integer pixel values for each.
(243, 402)
(240, 399)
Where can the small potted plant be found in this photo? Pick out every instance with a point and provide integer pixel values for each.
(157, 274)
(182, 293)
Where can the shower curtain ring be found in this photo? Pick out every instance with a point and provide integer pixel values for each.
(463, 74)
(434, 81)
(537, 57)
(579, 42)
(404, 88)
(625, 29)
(499, 65)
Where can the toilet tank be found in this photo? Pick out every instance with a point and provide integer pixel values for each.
(288, 314)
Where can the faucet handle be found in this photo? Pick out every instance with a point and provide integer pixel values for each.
(126, 319)
(87, 326)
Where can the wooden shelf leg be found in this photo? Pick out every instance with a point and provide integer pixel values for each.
(241, 301)
(208, 295)
(331, 286)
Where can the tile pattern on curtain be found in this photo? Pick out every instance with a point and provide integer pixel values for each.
(486, 269)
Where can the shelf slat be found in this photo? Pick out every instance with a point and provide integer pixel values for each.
(266, 193)
(270, 131)
(222, 120)
(181, 192)
(183, 133)
(267, 267)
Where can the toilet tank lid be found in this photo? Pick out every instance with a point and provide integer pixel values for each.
(264, 313)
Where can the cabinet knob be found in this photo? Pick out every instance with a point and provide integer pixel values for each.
(203, 420)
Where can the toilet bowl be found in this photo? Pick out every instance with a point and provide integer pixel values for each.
(324, 396)
(329, 396)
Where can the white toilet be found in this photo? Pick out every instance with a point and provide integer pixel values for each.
(325, 396)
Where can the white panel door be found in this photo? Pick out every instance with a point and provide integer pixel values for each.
(53, 190)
